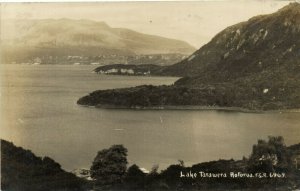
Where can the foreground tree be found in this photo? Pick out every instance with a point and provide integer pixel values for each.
(270, 156)
(135, 178)
(109, 166)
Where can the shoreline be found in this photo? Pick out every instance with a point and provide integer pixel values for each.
(190, 107)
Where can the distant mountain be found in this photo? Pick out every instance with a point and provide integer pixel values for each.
(25, 39)
(253, 65)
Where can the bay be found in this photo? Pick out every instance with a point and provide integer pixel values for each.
(39, 112)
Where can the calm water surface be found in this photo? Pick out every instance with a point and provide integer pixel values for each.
(39, 112)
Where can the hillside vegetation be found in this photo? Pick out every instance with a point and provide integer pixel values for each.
(253, 65)
(21, 170)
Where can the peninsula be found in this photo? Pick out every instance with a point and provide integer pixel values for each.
(253, 65)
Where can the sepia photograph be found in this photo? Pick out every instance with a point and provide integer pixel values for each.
(150, 95)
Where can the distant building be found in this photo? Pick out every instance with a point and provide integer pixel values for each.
(127, 71)
(111, 71)
(147, 73)
(37, 61)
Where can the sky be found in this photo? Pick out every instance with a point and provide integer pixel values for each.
(195, 22)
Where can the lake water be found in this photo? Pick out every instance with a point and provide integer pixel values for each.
(39, 112)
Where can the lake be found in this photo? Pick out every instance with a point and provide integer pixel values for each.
(39, 112)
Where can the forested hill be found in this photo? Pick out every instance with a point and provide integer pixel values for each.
(252, 65)
(263, 44)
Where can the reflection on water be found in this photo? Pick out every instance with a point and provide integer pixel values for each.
(39, 112)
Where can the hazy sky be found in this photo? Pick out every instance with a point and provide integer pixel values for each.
(195, 21)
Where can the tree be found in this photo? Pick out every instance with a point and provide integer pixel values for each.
(135, 178)
(109, 166)
(270, 156)
(171, 176)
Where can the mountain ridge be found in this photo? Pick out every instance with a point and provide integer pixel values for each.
(245, 42)
(252, 65)
(24, 39)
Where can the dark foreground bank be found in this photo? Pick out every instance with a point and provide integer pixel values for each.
(270, 166)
